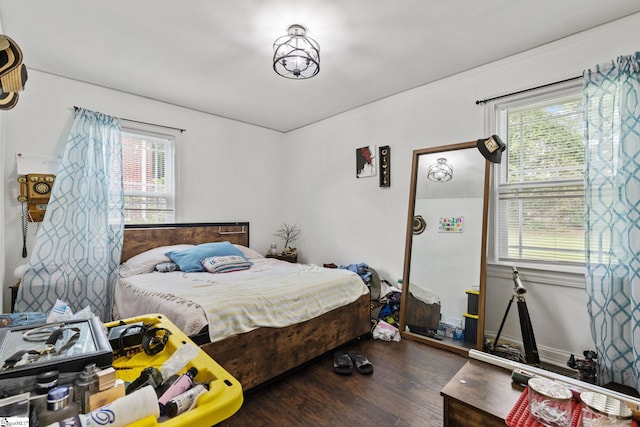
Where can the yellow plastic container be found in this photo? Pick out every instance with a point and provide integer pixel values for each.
(223, 399)
(472, 301)
(470, 328)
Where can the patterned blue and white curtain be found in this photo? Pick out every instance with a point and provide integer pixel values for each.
(78, 245)
(612, 155)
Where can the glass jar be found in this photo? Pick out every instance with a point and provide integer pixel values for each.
(549, 402)
(602, 410)
(58, 406)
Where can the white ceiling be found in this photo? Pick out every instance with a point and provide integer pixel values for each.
(215, 56)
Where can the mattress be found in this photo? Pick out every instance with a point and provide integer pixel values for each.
(271, 293)
(424, 294)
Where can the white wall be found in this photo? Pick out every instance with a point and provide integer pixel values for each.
(440, 261)
(3, 263)
(228, 171)
(346, 220)
(3, 154)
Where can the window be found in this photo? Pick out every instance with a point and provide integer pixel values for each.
(147, 176)
(539, 188)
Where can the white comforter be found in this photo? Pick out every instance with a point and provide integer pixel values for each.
(270, 294)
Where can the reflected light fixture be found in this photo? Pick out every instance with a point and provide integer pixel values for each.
(441, 171)
(296, 56)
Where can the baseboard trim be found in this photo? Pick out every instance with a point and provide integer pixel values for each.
(550, 355)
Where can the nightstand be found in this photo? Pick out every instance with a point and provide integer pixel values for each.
(14, 294)
(293, 258)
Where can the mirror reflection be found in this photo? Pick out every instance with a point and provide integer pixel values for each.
(444, 257)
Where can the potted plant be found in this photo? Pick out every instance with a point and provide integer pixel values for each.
(288, 233)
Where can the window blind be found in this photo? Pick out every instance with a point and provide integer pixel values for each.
(541, 184)
(147, 178)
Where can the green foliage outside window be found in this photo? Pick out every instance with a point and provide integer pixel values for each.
(541, 190)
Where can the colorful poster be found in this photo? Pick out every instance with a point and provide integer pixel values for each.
(450, 224)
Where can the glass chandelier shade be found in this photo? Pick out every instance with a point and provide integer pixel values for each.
(296, 56)
(440, 172)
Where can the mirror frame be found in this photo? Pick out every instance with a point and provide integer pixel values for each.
(409, 243)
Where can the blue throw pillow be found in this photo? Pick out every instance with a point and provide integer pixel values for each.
(189, 260)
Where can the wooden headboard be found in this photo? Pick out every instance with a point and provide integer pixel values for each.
(142, 237)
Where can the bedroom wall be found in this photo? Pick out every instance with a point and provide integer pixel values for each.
(2, 196)
(347, 220)
(228, 171)
(3, 155)
(308, 176)
(434, 272)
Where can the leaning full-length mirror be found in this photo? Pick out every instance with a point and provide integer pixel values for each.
(445, 260)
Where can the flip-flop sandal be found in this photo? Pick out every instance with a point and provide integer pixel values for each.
(342, 363)
(361, 363)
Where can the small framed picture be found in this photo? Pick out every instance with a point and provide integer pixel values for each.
(366, 161)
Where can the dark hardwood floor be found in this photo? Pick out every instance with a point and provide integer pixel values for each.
(404, 390)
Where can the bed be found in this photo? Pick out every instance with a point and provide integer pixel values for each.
(252, 352)
(423, 309)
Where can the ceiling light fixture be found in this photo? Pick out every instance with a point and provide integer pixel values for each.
(441, 171)
(296, 56)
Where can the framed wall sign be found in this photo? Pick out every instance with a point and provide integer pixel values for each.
(384, 160)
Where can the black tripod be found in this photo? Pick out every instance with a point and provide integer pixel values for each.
(528, 339)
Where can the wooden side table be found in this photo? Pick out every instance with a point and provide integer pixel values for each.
(293, 258)
(480, 394)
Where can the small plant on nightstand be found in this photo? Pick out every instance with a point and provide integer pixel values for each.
(288, 233)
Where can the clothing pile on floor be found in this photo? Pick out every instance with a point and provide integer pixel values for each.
(385, 302)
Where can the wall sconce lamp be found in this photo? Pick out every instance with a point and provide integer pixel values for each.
(296, 56)
(441, 171)
(492, 148)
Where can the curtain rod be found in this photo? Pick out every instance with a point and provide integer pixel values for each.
(145, 123)
(483, 101)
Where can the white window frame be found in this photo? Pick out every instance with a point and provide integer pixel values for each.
(494, 125)
(170, 176)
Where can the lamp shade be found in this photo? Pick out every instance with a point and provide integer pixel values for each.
(492, 148)
(296, 56)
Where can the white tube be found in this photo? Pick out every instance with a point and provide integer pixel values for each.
(119, 413)
(510, 364)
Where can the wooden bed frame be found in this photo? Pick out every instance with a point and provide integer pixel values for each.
(258, 356)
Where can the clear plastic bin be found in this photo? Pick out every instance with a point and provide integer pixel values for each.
(549, 402)
(601, 410)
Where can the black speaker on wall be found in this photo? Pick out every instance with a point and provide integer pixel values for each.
(384, 154)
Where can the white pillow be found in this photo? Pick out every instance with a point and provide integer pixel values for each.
(248, 252)
(146, 262)
(225, 264)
